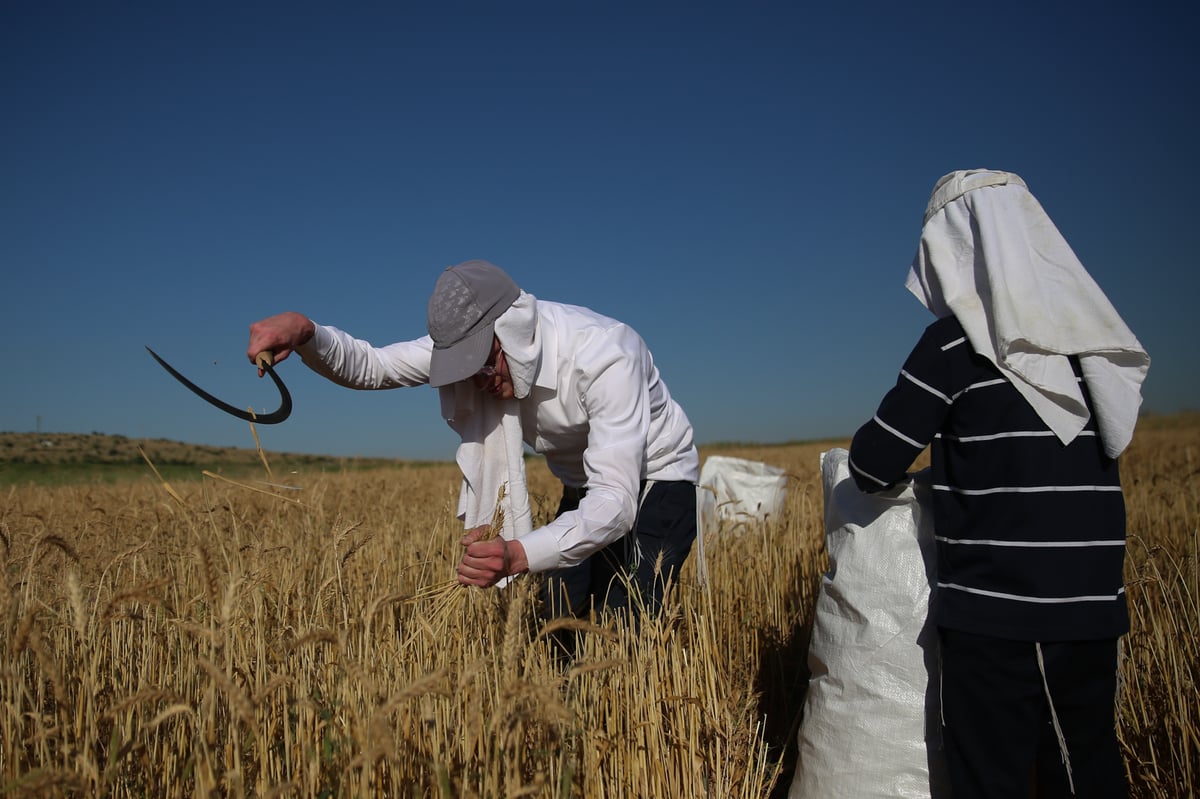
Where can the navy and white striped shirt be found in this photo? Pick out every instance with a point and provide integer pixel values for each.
(1030, 532)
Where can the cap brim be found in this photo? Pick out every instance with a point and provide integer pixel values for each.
(462, 359)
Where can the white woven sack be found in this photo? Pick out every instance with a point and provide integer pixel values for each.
(871, 721)
(736, 491)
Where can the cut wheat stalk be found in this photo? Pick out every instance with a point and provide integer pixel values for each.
(216, 476)
(166, 486)
(262, 456)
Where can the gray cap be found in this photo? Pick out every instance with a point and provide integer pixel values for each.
(466, 302)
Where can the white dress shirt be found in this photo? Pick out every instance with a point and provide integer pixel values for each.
(598, 411)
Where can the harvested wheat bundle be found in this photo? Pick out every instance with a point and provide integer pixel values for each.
(447, 600)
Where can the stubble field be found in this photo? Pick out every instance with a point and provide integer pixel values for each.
(294, 633)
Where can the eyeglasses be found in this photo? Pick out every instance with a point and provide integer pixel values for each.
(489, 368)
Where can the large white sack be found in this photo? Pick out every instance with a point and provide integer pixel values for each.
(736, 491)
(871, 718)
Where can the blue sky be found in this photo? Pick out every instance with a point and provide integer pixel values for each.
(742, 182)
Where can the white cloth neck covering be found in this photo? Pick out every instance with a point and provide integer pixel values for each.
(519, 334)
(491, 454)
(990, 256)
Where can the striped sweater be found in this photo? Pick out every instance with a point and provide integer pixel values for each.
(1030, 532)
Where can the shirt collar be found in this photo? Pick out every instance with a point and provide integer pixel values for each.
(547, 376)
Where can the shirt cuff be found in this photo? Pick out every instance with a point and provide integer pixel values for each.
(318, 345)
(541, 549)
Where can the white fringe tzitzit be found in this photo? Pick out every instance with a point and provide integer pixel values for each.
(1062, 741)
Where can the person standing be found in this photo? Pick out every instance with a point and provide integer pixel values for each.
(1027, 389)
(576, 386)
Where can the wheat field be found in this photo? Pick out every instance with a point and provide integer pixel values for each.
(289, 636)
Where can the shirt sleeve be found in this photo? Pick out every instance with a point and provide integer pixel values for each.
(908, 418)
(355, 363)
(615, 395)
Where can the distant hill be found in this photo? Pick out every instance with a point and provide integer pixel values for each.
(101, 448)
(82, 457)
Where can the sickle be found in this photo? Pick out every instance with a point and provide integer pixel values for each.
(264, 360)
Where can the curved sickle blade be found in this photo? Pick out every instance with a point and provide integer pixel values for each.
(275, 417)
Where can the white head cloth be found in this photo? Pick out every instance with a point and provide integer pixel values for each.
(990, 255)
(491, 454)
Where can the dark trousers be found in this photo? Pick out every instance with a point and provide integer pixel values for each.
(998, 730)
(611, 579)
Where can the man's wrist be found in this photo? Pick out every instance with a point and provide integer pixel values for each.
(515, 561)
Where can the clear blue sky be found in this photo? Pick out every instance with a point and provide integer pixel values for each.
(742, 182)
